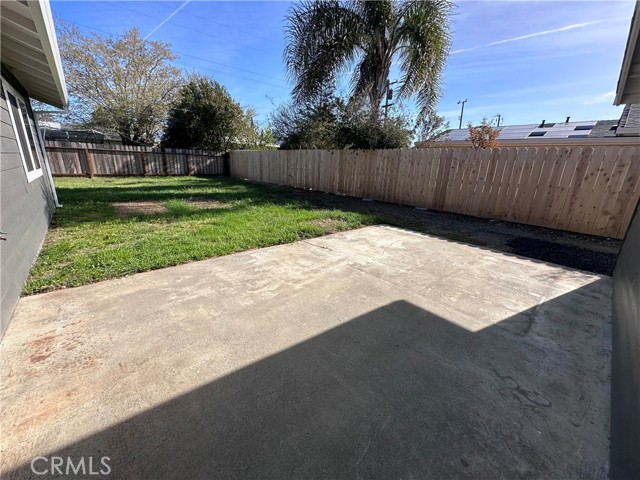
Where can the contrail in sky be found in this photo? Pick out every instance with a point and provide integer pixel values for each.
(167, 19)
(531, 35)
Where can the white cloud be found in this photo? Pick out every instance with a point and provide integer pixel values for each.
(602, 98)
(525, 37)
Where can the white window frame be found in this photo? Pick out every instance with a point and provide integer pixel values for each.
(18, 123)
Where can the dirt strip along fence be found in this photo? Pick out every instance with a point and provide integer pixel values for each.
(87, 159)
(592, 190)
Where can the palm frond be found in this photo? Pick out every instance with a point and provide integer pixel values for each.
(323, 37)
(377, 14)
(423, 44)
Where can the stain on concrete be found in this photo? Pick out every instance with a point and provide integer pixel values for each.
(42, 348)
(374, 353)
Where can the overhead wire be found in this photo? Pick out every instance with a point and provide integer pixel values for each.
(207, 61)
(200, 67)
(191, 29)
(226, 25)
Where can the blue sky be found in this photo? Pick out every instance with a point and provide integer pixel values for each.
(527, 61)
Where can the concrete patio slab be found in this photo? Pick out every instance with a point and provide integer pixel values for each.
(374, 353)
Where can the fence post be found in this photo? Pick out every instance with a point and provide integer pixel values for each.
(164, 162)
(226, 164)
(189, 169)
(90, 166)
(143, 164)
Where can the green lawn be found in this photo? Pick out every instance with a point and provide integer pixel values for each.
(182, 219)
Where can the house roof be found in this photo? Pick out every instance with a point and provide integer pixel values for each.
(534, 131)
(30, 50)
(628, 90)
(605, 129)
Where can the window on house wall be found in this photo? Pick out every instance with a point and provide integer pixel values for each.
(26, 136)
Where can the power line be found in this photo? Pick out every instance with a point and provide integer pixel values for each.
(191, 29)
(204, 60)
(228, 74)
(231, 27)
(229, 66)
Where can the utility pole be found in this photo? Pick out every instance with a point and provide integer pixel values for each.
(461, 111)
(389, 96)
(499, 118)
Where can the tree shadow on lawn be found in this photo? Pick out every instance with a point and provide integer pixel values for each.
(226, 190)
(94, 204)
(181, 201)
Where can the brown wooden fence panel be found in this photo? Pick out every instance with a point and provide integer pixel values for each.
(71, 161)
(86, 159)
(589, 189)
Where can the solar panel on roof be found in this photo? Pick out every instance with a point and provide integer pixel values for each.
(521, 132)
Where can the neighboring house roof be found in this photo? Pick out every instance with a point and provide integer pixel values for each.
(604, 129)
(57, 131)
(628, 90)
(590, 128)
(30, 50)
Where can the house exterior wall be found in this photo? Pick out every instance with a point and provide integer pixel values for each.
(625, 367)
(25, 211)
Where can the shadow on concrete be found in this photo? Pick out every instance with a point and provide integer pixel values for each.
(565, 255)
(396, 393)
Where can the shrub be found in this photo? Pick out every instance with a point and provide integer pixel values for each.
(484, 135)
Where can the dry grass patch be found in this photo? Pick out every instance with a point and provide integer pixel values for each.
(332, 225)
(126, 209)
(204, 202)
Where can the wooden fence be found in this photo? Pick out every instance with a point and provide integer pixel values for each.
(591, 190)
(87, 159)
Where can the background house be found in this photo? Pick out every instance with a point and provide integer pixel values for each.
(625, 130)
(60, 132)
(31, 68)
(545, 129)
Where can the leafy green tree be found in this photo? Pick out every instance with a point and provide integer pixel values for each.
(205, 116)
(308, 125)
(333, 123)
(124, 82)
(267, 138)
(431, 129)
(358, 128)
(251, 135)
(324, 38)
(249, 132)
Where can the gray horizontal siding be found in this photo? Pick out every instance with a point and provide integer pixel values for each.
(25, 212)
(4, 114)
(10, 153)
(9, 145)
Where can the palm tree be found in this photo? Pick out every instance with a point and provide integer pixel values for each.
(327, 37)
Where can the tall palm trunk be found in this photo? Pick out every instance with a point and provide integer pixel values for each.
(379, 88)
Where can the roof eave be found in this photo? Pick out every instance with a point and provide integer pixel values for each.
(43, 19)
(623, 97)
